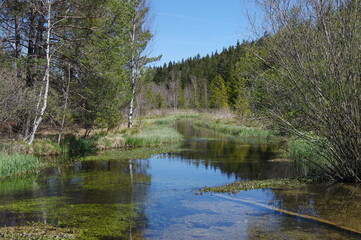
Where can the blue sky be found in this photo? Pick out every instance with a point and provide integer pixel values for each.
(184, 28)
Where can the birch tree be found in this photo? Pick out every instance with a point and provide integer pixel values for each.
(44, 89)
(140, 35)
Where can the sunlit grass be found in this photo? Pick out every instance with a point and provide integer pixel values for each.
(235, 130)
(154, 136)
(16, 164)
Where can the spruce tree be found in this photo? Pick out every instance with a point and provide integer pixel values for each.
(218, 93)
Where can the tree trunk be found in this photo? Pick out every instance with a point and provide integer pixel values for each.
(43, 94)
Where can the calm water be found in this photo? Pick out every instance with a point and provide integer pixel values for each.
(156, 198)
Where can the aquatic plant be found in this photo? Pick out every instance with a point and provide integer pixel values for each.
(245, 185)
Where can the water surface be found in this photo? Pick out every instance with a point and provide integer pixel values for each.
(157, 198)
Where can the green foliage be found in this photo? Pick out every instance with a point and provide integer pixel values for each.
(218, 93)
(81, 146)
(16, 164)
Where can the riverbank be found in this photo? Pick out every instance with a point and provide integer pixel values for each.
(150, 136)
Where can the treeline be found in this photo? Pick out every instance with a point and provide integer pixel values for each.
(215, 81)
(69, 62)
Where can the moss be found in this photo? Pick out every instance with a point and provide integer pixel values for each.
(257, 184)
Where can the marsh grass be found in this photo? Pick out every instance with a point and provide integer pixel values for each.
(307, 157)
(156, 132)
(235, 130)
(154, 136)
(16, 164)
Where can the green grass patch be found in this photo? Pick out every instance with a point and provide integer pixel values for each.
(17, 164)
(155, 132)
(236, 130)
(154, 136)
(245, 185)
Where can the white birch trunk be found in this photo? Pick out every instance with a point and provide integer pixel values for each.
(134, 72)
(43, 94)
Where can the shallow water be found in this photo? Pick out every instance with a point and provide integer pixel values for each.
(157, 198)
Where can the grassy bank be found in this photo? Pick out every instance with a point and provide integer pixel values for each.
(17, 164)
(236, 130)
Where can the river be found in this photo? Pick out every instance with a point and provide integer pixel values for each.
(158, 198)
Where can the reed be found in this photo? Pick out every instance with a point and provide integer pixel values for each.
(17, 164)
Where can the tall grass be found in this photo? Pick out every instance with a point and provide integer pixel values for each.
(16, 164)
(154, 135)
(235, 130)
(308, 158)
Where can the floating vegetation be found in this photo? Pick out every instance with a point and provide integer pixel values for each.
(245, 185)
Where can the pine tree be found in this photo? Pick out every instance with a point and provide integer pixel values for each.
(218, 93)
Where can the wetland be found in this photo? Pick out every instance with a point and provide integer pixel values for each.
(158, 197)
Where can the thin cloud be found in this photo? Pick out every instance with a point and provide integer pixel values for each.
(195, 19)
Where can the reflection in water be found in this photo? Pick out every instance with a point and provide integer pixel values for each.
(155, 198)
(230, 155)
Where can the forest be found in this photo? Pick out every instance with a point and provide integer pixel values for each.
(83, 64)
